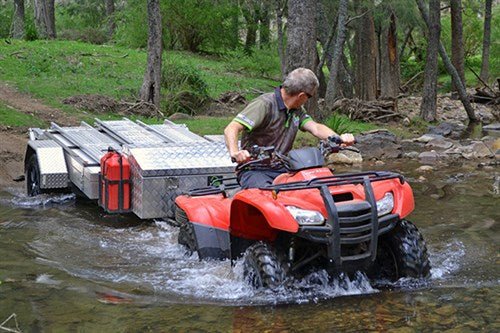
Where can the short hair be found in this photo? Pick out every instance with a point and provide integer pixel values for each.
(301, 80)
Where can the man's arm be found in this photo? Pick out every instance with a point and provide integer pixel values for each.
(322, 132)
(231, 133)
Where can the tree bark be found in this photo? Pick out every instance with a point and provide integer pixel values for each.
(45, 18)
(389, 61)
(449, 67)
(338, 50)
(280, 8)
(457, 43)
(301, 42)
(485, 59)
(110, 15)
(429, 96)
(366, 55)
(150, 90)
(18, 24)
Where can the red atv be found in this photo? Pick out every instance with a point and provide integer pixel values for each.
(308, 219)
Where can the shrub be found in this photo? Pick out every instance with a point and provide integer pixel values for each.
(183, 89)
(338, 123)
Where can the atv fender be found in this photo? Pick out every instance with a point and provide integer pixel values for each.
(209, 210)
(209, 217)
(255, 214)
(403, 195)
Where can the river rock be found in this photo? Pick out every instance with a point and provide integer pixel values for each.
(439, 143)
(428, 157)
(345, 157)
(411, 155)
(379, 144)
(448, 129)
(480, 150)
(425, 168)
(492, 129)
(428, 137)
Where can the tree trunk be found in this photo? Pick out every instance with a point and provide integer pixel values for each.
(150, 90)
(366, 56)
(40, 8)
(450, 68)
(389, 61)
(429, 96)
(45, 18)
(18, 24)
(301, 41)
(280, 7)
(485, 59)
(51, 19)
(252, 23)
(457, 43)
(338, 50)
(110, 14)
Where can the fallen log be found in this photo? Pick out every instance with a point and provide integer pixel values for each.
(377, 110)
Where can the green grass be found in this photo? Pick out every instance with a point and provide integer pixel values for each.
(207, 125)
(54, 70)
(11, 117)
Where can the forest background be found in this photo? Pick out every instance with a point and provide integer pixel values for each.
(200, 54)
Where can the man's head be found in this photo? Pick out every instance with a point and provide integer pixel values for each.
(300, 85)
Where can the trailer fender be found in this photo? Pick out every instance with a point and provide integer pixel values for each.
(51, 163)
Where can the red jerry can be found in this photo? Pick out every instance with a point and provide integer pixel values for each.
(114, 187)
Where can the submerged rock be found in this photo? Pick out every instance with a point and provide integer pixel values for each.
(428, 157)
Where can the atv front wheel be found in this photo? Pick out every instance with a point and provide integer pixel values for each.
(262, 267)
(402, 253)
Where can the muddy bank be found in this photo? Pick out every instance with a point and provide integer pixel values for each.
(12, 149)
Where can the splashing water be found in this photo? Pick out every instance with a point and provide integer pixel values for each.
(447, 261)
(42, 200)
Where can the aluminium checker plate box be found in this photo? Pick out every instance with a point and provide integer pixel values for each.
(51, 163)
(160, 174)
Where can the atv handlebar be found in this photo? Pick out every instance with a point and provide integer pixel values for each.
(268, 156)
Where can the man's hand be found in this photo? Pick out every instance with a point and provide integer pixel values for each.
(240, 156)
(347, 139)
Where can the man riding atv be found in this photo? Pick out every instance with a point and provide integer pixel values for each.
(293, 215)
(273, 119)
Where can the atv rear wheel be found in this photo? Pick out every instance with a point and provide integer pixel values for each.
(262, 267)
(186, 231)
(402, 253)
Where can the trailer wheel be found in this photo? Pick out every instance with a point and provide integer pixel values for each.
(186, 230)
(33, 177)
(402, 253)
(262, 267)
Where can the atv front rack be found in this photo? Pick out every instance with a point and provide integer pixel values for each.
(340, 230)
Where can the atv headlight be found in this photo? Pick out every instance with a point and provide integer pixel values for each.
(306, 217)
(386, 204)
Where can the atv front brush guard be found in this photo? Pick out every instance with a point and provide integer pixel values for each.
(333, 234)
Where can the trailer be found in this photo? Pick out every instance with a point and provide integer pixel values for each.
(157, 163)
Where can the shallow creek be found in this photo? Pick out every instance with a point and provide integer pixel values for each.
(65, 267)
